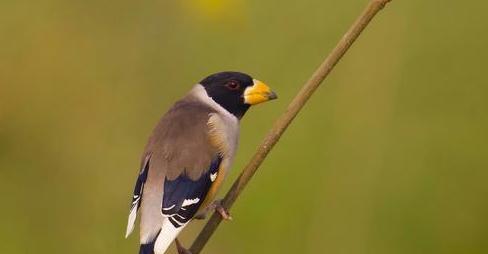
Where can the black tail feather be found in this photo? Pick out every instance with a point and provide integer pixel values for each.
(147, 248)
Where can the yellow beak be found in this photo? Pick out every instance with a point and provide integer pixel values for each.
(258, 93)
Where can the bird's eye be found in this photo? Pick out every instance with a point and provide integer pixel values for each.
(232, 85)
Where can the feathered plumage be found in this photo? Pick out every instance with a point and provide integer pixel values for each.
(187, 158)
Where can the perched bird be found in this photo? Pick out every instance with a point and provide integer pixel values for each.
(188, 156)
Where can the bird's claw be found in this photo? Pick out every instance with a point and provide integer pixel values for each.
(221, 210)
(217, 206)
(180, 248)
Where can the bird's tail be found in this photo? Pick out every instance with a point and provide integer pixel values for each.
(163, 240)
(147, 248)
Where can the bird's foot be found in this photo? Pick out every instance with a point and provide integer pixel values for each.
(221, 210)
(180, 248)
(217, 206)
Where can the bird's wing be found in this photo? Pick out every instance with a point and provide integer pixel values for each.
(183, 196)
(179, 165)
(136, 198)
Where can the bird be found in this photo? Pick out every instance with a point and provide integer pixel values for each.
(187, 157)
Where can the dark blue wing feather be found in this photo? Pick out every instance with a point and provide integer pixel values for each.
(139, 187)
(183, 196)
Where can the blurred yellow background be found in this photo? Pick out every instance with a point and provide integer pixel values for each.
(389, 156)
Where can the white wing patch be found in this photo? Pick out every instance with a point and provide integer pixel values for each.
(168, 208)
(132, 215)
(131, 221)
(188, 202)
(213, 176)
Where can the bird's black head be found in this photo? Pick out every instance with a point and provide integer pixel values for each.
(236, 91)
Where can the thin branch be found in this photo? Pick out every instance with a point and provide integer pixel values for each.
(284, 121)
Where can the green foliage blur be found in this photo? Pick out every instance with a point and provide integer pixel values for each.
(389, 156)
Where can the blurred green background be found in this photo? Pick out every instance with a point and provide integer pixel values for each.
(389, 156)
